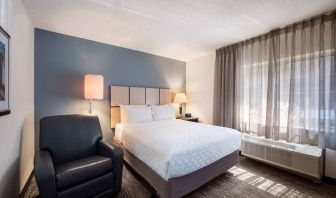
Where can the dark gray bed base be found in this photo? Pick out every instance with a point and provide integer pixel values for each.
(179, 186)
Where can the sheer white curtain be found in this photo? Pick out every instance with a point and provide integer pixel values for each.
(284, 84)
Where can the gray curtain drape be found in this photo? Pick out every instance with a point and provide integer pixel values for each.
(2, 77)
(224, 97)
(281, 85)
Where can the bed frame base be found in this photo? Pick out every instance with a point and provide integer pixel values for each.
(179, 186)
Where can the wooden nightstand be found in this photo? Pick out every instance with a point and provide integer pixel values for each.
(191, 119)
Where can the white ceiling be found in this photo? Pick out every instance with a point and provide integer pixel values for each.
(182, 30)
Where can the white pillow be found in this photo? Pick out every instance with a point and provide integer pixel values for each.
(163, 112)
(135, 113)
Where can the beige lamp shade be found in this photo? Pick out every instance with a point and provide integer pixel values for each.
(180, 98)
(93, 87)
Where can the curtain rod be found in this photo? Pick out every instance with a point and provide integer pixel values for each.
(326, 14)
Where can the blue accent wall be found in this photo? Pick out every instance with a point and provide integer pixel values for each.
(61, 62)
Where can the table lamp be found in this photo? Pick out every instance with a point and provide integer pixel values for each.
(180, 98)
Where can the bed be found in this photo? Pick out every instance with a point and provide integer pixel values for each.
(175, 156)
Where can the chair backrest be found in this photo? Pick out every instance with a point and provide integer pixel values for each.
(69, 137)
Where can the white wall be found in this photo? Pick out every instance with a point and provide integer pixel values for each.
(17, 129)
(200, 87)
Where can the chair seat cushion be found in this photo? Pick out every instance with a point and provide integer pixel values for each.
(75, 172)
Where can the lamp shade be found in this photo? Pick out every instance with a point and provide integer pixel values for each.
(93, 87)
(180, 98)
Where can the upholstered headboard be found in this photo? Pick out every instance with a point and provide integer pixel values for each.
(136, 96)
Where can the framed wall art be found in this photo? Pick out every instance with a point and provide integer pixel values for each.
(4, 72)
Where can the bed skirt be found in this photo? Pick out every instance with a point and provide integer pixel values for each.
(179, 186)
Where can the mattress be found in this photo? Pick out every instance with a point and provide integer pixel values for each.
(174, 148)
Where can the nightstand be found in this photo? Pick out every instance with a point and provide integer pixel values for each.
(191, 119)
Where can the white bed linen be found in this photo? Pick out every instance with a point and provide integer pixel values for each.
(119, 129)
(174, 148)
(163, 112)
(135, 113)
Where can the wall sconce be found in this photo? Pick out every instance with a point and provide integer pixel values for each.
(93, 88)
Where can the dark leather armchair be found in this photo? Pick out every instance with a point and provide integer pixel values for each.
(73, 161)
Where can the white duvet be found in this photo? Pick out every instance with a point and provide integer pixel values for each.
(174, 148)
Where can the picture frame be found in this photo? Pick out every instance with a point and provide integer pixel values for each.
(4, 72)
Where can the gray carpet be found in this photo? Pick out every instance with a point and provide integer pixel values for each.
(247, 179)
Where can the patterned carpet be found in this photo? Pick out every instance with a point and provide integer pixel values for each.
(247, 179)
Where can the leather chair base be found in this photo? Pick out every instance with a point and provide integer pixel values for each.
(91, 188)
(107, 194)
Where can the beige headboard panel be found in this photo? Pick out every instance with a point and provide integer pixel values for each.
(152, 96)
(136, 96)
(119, 95)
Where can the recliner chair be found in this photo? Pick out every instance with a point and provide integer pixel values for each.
(73, 161)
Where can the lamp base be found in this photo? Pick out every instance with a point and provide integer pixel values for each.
(90, 110)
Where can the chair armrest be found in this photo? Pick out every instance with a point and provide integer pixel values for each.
(110, 150)
(45, 174)
(116, 154)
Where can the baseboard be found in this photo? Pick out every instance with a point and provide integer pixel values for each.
(329, 180)
(25, 187)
